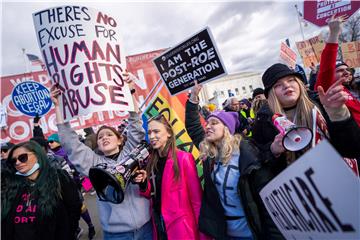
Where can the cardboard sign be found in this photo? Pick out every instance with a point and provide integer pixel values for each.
(196, 58)
(83, 54)
(318, 12)
(316, 197)
(31, 98)
(351, 53)
(287, 55)
(310, 50)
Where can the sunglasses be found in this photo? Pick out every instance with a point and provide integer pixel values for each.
(4, 150)
(22, 158)
(51, 141)
(344, 69)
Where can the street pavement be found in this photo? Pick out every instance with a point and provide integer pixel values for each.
(90, 201)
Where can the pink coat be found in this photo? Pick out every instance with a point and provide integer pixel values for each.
(180, 200)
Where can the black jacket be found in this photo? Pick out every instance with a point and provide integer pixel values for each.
(62, 225)
(212, 219)
(344, 136)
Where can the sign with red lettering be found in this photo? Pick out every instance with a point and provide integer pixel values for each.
(318, 12)
(308, 201)
(310, 50)
(83, 53)
(287, 55)
(351, 53)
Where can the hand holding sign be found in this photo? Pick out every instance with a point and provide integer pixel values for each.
(194, 95)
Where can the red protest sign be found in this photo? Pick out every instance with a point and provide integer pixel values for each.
(287, 55)
(317, 12)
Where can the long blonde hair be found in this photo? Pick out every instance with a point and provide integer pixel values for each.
(228, 144)
(170, 146)
(303, 109)
(303, 112)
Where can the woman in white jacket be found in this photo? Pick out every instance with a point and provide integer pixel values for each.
(131, 218)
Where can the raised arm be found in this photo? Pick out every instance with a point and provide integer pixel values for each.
(192, 117)
(326, 74)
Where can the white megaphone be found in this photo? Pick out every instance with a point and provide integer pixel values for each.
(295, 138)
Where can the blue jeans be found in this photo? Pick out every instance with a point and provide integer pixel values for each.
(144, 233)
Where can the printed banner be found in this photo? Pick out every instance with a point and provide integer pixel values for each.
(351, 53)
(196, 58)
(310, 201)
(83, 54)
(318, 12)
(287, 55)
(160, 105)
(31, 98)
(310, 50)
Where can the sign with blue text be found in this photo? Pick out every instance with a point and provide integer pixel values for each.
(196, 58)
(31, 98)
(316, 197)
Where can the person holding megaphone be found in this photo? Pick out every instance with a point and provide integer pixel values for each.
(175, 184)
(131, 218)
(290, 106)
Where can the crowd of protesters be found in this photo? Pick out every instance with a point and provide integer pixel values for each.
(240, 149)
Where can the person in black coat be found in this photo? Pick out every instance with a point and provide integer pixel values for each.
(286, 94)
(38, 202)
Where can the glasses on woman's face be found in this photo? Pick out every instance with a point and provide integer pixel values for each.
(24, 157)
(51, 141)
(4, 150)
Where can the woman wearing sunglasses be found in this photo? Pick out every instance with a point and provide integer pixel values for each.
(175, 184)
(37, 200)
(131, 218)
(222, 213)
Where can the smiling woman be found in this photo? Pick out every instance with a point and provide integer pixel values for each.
(37, 200)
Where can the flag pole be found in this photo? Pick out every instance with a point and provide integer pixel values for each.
(25, 60)
(298, 17)
(150, 93)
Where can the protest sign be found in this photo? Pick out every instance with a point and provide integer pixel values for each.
(196, 58)
(351, 53)
(287, 55)
(316, 197)
(83, 54)
(31, 98)
(318, 12)
(310, 50)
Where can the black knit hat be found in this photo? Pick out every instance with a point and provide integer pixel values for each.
(257, 91)
(340, 63)
(274, 73)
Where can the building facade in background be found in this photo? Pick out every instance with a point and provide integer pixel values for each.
(239, 85)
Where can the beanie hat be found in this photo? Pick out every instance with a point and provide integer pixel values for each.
(54, 137)
(340, 63)
(257, 91)
(274, 73)
(245, 101)
(229, 119)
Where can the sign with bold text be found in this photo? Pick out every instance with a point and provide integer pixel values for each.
(196, 58)
(83, 54)
(316, 197)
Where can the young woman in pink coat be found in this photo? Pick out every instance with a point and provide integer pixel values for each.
(173, 185)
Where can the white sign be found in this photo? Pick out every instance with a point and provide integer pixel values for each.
(83, 53)
(316, 197)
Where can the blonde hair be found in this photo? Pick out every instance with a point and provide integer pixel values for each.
(303, 109)
(228, 144)
(170, 146)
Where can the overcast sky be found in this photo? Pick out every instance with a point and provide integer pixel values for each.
(248, 34)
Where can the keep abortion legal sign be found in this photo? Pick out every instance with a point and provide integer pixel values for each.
(83, 54)
(196, 58)
(31, 98)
